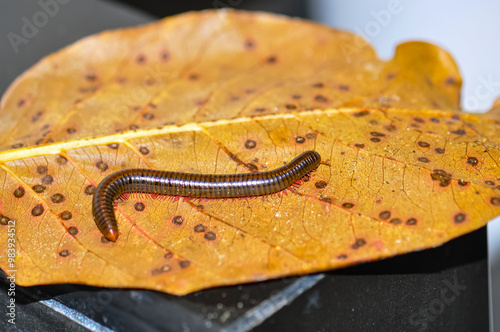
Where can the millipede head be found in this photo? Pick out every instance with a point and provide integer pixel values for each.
(111, 234)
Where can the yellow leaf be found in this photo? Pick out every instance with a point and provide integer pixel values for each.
(222, 92)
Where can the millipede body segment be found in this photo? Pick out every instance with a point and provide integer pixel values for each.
(193, 185)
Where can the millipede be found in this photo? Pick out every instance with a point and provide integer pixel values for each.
(193, 185)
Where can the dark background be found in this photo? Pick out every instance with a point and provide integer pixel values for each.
(159, 9)
(441, 289)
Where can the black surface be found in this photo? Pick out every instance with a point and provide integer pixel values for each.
(441, 289)
(166, 8)
(399, 294)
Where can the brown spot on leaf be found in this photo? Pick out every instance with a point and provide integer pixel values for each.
(113, 146)
(199, 228)
(164, 56)
(347, 205)
(19, 192)
(442, 177)
(250, 144)
(375, 139)
(38, 188)
(290, 107)
(423, 159)
(249, 44)
(193, 77)
(41, 169)
(458, 132)
(473, 161)
(318, 85)
(359, 243)
(64, 253)
(66, 215)
(462, 182)
(310, 135)
(495, 201)
(89, 190)
(272, 59)
(161, 270)
(361, 114)
(17, 145)
(36, 116)
(102, 166)
(57, 198)
(450, 80)
(384, 215)
(320, 184)
(140, 59)
(168, 255)
(210, 236)
(489, 183)
(342, 257)
(47, 179)
(21, 102)
(90, 77)
(296, 96)
(300, 139)
(439, 150)
(321, 98)
(150, 81)
(459, 218)
(144, 150)
(61, 160)
(139, 206)
(177, 220)
(344, 87)
(37, 210)
(73, 230)
(411, 221)
(395, 221)
(390, 128)
(89, 89)
(71, 130)
(148, 116)
(435, 120)
(4, 220)
(326, 200)
(423, 144)
(359, 145)
(419, 120)
(376, 134)
(259, 109)
(184, 264)
(165, 268)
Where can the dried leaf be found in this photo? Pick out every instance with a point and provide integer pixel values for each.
(239, 89)
(214, 65)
